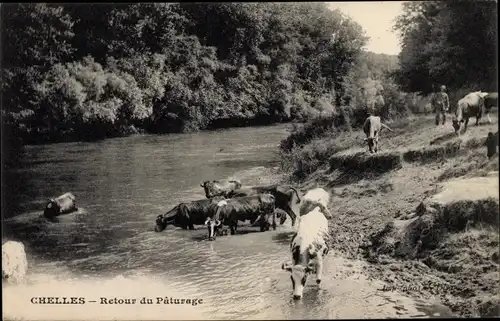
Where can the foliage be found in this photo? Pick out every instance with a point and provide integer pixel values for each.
(448, 42)
(98, 69)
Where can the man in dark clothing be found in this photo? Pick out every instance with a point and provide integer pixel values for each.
(440, 104)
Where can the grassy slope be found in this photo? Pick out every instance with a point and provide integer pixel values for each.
(365, 201)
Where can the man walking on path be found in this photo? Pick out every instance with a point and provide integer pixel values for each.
(440, 104)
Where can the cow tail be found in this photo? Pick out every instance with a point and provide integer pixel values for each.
(385, 126)
(296, 193)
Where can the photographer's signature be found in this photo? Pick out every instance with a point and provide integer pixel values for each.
(412, 288)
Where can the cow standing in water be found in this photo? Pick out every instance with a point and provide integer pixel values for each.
(60, 205)
(186, 215)
(220, 187)
(14, 262)
(229, 212)
(286, 197)
(315, 197)
(308, 247)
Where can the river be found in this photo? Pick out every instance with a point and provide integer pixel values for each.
(108, 249)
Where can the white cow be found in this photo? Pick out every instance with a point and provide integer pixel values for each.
(471, 105)
(311, 199)
(14, 262)
(309, 247)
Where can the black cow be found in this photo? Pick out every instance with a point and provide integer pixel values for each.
(60, 205)
(186, 215)
(283, 195)
(230, 211)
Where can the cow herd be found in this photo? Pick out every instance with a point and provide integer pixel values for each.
(474, 104)
(227, 203)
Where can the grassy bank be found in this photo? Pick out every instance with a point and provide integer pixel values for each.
(386, 213)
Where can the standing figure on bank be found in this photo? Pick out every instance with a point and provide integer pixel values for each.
(440, 104)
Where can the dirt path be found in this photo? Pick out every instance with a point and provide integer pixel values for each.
(365, 201)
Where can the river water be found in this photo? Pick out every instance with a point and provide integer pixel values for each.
(109, 248)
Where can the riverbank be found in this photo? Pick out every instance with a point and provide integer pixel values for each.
(381, 209)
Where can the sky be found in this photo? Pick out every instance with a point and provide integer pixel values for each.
(377, 19)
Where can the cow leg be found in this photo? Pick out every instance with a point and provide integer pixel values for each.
(319, 268)
(292, 215)
(444, 117)
(233, 229)
(376, 143)
(184, 227)
(465, 124)
(274, 221)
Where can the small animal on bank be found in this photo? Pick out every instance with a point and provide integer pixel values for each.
(60, 205)
(229, 212)
(471, 105)
(186, 215)
(491, 144)
(286, 197)
(490, 101)
(14, 262)
(308, 248)
(372, 127)
(220, 187)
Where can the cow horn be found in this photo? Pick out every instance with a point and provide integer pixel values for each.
(286, 266)
(217, 223)
(206, 222)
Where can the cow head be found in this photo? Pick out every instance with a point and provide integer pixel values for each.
(212, 225)
(212, 189)
(371, 142)
(52, 208)
(161, 223)
(298, 276)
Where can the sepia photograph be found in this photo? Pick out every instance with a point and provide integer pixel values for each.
(249, 160)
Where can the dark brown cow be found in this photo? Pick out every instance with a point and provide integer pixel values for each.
(229, 212)
(490, 101)
(283, 194)
(491, 144)
(220, 187)
(60, 205)
(186, 215)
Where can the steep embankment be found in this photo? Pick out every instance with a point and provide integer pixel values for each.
(423, 211)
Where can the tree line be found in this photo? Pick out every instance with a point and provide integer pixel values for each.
(448, 42)
(99, 70)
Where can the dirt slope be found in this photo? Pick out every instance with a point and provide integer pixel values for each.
(403, 211)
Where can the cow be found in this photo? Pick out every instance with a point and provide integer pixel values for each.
(490, 101)
(315, 197)
(372, 127)
(470, 105)
(491, 144)
(309, 246)
(220, 187)
(283, 194)
(186, 215)
(14, 262)
(229, 212)
(60, 205)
